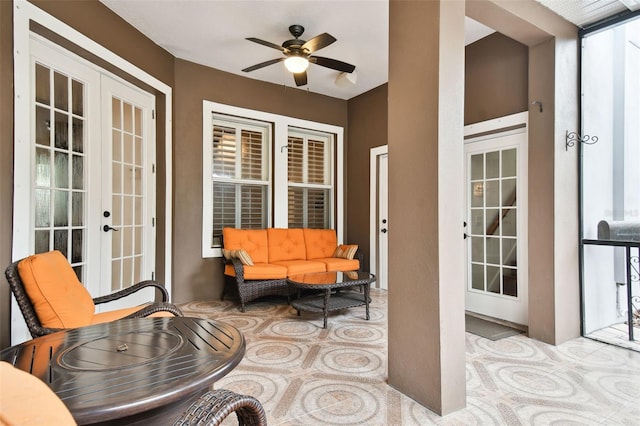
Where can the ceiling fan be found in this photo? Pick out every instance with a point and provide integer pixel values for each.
(297, 54)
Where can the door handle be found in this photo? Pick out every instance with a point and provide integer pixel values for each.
(383, 230)
(108, 228)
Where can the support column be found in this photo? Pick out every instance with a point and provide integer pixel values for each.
(426, 202)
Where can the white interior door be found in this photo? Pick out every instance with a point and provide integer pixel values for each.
(496, 228)
(383, 221)
(378, 215)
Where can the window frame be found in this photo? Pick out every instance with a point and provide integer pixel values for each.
(279, 171)
(328, 172)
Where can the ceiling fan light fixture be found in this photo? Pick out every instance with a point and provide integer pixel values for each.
(296, 64)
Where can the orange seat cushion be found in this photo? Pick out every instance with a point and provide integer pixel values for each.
(301, 266)
(339, 264)
(58, 297)
(320, 243)
(253, 241)
(259, 271)
(27, 400)
(286, 244)
(121, 313)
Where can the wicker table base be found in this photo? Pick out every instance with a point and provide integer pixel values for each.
(332, 298)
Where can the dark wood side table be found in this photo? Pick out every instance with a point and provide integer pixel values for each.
(143, 370)
(330, 282)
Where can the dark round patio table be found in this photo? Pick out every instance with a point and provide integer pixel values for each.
(143, 370)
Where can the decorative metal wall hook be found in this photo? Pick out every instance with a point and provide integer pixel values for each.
(537, 103)
(572, 137)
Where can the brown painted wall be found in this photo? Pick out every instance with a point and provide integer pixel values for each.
(496, 73)
(195, 278)
(367, 129)
(100, 24)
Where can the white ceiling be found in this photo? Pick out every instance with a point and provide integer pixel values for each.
(213, 32)
(585, 12)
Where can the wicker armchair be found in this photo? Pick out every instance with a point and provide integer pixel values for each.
(37, 329)
(214, 406)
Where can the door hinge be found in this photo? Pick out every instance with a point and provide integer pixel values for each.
(153, 276)
(153, 221)
(153, 168)
(153, 114)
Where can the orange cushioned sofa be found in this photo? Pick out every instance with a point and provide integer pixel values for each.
(259, 261)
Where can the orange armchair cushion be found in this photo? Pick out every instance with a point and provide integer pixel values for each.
(320, 243)
(58, 297)
(27, 400)
(254, 241)
(121, 313)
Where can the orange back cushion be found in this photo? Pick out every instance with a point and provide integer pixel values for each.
(253, 241)
(58, 297)
(320, 243)
(286, 244)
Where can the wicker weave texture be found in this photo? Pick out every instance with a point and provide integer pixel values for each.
(214, 406)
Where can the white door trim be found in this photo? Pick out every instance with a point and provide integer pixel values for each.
(497, 128)
(23, 13)
(373, 203)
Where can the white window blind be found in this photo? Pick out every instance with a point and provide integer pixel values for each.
(309, 177)
(240, 175)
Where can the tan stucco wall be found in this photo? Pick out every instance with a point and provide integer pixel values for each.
(554, 293)
(426, 263)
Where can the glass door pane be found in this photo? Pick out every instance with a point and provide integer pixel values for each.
(60, 191)
(127, 167)
(493, 222)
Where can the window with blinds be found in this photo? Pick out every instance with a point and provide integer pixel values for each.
(265, 170)
(240, 175)
(309, 179)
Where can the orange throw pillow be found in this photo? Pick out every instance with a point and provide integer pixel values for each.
(238, 254)
(58, 297)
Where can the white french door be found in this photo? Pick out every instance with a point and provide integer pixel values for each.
(496, 228)
(128, 189)
(89, 156)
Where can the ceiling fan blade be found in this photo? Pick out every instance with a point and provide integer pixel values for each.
(267, 43)
(332, 63)
(300, 78)
(318, 42)
(263, 64)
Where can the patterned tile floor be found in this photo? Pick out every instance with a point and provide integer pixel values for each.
(306, 375)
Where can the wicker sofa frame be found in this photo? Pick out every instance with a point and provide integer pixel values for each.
(249, 290)
(35, 326)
